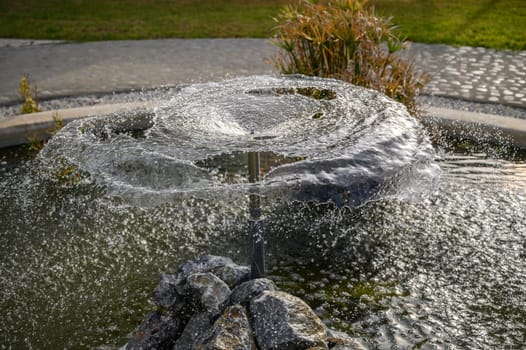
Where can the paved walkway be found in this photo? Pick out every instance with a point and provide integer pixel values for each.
(62, 69)
(474, 74)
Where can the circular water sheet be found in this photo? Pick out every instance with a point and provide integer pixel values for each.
(318, 139)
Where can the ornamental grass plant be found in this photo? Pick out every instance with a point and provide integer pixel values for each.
(28, 95)
(344, 39)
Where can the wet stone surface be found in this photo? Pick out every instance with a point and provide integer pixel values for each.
(196, 326)
(256, 316)
(282, 321)
(231, 331)
(209, 290)
(245, 292)
(165, 294)
(157, 331)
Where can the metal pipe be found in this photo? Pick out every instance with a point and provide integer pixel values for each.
(257, 267)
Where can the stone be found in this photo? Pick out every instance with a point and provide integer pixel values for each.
(352, 346)
(196, 326)
(342, 341)
(165, 294)
(231, 331)
(157, 332)
(203, 264)
(283, 321)
(232, 274)
(208, 291)
(172, 289)
(247, 291)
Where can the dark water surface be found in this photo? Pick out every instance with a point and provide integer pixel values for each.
(443, 267)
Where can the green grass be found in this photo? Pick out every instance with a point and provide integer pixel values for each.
(490, 23)
(87, 20)
(499, 24)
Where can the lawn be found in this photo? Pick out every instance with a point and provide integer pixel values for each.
(499, 24)
(490, 23)
(87, 20)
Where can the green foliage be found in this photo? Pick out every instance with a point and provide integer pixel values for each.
(28, 95)
(343, 39)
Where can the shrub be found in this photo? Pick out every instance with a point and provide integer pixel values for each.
(343, 39)
(28, 95)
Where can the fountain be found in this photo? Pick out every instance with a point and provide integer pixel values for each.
(356, 221)
(325, 141)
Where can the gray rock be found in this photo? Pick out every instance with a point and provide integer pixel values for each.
(342, 341)
(165, 294)
(172, 289)
(196, 326)
(353, 346)
(157, 332)
(203, 264)
(283, 321)
(247, 291)
(208, 290)
(232, 274)
(231, 331)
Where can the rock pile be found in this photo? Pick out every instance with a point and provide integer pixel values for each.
(210, 303)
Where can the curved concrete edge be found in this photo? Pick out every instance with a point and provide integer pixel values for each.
(478, 126)
(16, 130)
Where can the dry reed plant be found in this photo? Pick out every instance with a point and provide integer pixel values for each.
(344, 39)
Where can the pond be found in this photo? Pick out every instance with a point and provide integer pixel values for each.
(423, 246)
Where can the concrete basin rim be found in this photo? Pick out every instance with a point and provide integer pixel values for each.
(15, 130)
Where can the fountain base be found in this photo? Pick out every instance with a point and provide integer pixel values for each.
(210, 303)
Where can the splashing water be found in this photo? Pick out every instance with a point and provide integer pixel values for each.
(349, 144)
(114, 201)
